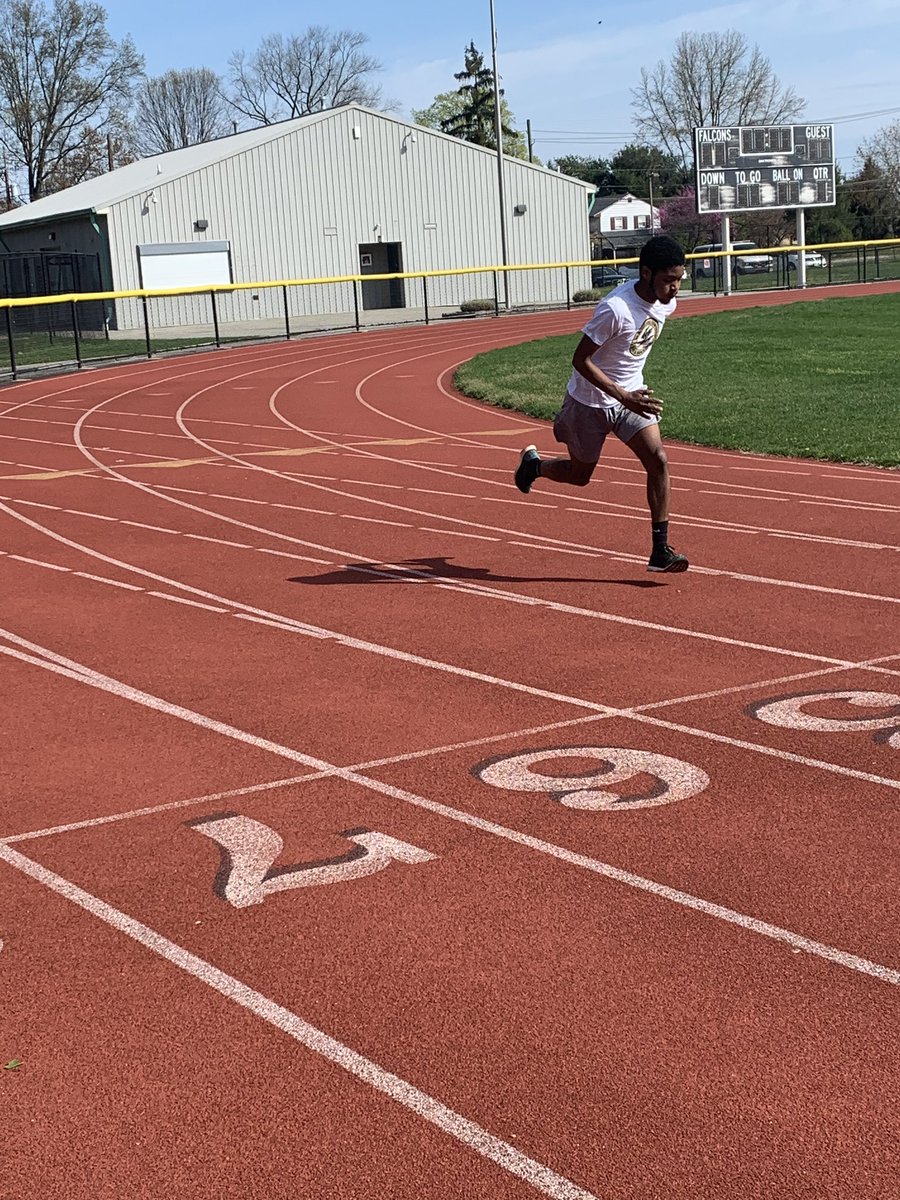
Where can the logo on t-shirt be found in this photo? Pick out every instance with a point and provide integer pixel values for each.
(645, 337)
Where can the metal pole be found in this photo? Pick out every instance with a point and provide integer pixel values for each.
(726, 261)
(12, 343)
(356, 305)
(498, 135)
(287, 315)
(215, 317)
(76, 334)
(425, 295)
(530, 142)
(801, 248)
(147, 327)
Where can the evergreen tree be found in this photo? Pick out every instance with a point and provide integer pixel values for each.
(475, 120)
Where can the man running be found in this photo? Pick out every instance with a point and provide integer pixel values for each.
(606, 392)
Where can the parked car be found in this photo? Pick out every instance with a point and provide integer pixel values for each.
(606, 277)
(630, 270)
(814, 258)
(741, 264)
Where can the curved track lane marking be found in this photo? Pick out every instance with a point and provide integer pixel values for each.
(290, 625)
(38, 656)
(467, 1132)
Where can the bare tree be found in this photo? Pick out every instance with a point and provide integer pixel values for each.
(710, 79)
(883, 150)
(180, 108)
(61, 78)
(292, 76)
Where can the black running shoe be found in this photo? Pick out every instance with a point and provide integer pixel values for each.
(664, 558)
(527, 470)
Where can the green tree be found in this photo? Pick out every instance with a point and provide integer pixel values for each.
(449, 106)
(634, 166)
(832, 224)
(474, 121)
(873, 202)
(592, 170)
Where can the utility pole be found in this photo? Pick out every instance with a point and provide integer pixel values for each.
(650, 175)
(530, 142)
(498, 134)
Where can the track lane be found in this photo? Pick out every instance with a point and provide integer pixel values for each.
(771, 1093)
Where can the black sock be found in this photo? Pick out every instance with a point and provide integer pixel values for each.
(660, 533)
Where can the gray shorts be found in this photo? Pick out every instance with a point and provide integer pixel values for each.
(583, 429)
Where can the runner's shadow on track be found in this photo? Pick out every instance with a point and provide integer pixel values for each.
(444, 569)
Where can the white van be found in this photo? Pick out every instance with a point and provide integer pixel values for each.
(743, 264)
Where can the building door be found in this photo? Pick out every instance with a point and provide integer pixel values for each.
(382, 258)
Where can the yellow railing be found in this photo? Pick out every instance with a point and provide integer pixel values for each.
(227, 288)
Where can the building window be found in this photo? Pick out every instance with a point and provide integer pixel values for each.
(642, 222)
(618, 223)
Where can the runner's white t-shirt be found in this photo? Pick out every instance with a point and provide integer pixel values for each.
(624, 327)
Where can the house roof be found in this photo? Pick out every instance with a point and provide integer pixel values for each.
(602, 202)
(98, 194)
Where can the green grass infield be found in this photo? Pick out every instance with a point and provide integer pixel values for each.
(808, 380)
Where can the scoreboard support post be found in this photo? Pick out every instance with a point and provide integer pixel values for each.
(726, 261)
(801, 248)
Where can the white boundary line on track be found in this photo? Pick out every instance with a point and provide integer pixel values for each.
(412, 755)
(474, 1137)
(111, 471)
(548, 543)
(290, 625)
(79, 673)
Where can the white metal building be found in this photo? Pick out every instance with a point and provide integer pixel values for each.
(342, 192)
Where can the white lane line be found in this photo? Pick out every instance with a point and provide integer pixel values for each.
(403, 656)
(82, 674)
(376, 521)
(536, 538)
(555, 549)
(305, 630)
(77, 512)
(190, 603)
(201, 537)
(476, 537)
(755, 499)
(128, 587)
(34, 562)
(153, 810)
(143, 525)
(470, 1135)
(36, 504)
(319, 562)
(431, 751)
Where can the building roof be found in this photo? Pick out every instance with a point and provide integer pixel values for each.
(98, 194)
(602, 202)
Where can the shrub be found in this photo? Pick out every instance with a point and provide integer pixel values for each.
(477, 306)
(588, 294)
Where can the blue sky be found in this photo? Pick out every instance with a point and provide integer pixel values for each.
(568, 67)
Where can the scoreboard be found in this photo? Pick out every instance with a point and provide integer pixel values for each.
(743, 167)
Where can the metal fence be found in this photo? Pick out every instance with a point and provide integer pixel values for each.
(54, 273)
(54, 331)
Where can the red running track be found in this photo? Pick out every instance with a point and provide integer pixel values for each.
(371, 830)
